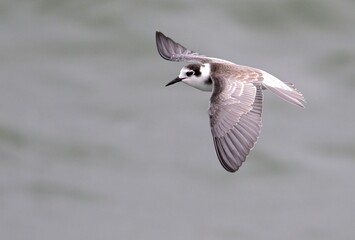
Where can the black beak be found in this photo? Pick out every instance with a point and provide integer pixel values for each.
(176, 80)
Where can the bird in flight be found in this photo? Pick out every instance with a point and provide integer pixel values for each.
(236, 100)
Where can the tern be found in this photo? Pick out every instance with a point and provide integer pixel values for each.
(236, 101)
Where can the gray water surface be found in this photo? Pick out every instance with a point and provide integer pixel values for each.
(93, 146)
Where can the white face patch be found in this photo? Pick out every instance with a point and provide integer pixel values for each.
(202, 73)
(183, 72)
(197, 76)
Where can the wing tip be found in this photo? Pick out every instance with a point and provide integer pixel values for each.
(230, 165)
(232, 170)
(159, 39)
(159, 35)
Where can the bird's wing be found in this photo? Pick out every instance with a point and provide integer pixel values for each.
(235, 118)
(173, 51)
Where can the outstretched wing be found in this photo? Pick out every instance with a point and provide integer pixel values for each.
(235, 119)
(173, 51)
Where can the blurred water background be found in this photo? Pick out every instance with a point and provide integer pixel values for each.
(93, 146)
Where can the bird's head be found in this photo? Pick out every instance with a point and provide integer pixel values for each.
(195, 75)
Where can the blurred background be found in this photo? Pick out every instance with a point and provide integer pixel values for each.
(93, 146)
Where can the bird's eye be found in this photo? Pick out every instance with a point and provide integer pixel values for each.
(189, 73)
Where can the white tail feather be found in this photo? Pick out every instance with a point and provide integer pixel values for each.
(286, 91)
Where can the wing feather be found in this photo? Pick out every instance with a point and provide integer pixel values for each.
(235, 119)
(173, 51)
